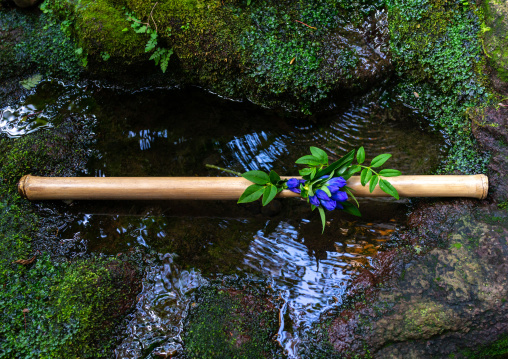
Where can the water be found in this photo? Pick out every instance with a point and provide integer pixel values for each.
(177, 132)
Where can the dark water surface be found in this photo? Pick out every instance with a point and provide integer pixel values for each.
(175, 133)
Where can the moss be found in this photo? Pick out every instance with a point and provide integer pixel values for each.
(49, 153)
(258, 51)
(228, 321)
(54, 309)
(496, 38)
(498, 349)
(73, 308)
(99, 28)
(31, 43)
(437, 49)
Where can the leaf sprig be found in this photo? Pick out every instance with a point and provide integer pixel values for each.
(323, 185)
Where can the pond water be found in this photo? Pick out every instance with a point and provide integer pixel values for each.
(161, 132)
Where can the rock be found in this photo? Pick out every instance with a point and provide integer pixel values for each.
(449, 297)
(496, 35)
(232, 318)
(491, 130)
(259, 52)
(451, 300)
(25, 3)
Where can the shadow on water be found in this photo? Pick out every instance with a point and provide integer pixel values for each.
(177, 132)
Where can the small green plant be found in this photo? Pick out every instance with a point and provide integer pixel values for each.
(105, 56)
(160, 55)
(31, 82)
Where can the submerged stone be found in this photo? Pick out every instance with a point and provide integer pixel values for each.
(232, 318)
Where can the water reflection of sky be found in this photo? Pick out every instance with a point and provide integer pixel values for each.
(252, 152)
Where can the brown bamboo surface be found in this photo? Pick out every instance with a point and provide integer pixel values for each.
(224, 188)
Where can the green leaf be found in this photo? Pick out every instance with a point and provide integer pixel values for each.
(369, 176)
(380, 160)
(312, 173)
(348, 191)
(141, 30)
(251, 193)
(319, 153)
(327, 191)
(373, 183)
(308, 160)
(125, 29)
(268, 194)
(323, 217)
(354, 169)
(305, 171)
(344, 161)
(258, 177)
(360, 155)
(363, 176)
(274, 177)
(351, 209)
(390, 173)
(388, 188)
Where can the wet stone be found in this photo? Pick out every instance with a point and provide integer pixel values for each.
(233, 318)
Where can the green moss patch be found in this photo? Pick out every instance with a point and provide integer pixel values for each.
(54, 309)
(230, 319)
(31, 43)
(437, 48)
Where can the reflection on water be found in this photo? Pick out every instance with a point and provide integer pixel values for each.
(175, 133)
(44, 106)
(155, 325)
(310, 270)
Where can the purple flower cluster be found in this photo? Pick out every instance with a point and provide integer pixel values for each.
(294, 185)
(321, 198)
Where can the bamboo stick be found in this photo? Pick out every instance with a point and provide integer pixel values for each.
(226, 188)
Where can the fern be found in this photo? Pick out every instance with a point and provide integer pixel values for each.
(161, 56)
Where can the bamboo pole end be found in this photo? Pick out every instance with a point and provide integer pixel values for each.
(21, 186)
(485, 186)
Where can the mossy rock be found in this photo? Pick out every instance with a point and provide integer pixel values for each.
(232, 318)
(29, 44)
(496, 35)
(266, 52)
(53, 307)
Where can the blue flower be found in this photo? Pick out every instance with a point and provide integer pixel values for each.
(314, 200)
(333, 189)
(322, 195)
(336, 181)
(339, 196)
(293, 185)
(329, 205)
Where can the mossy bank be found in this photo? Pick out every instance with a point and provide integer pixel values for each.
(290, 55)
(53, 307)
